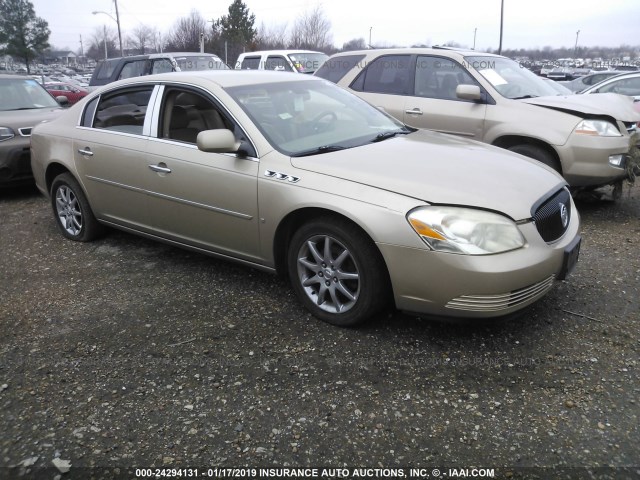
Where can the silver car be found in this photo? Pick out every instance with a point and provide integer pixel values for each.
(23, 104)
(295, 175)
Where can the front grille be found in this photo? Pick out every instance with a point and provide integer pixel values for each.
(504, 301)
(25, 132)
(552, 217)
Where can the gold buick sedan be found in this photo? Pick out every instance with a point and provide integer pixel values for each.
(294, 175)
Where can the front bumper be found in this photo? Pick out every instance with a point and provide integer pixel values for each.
(466, 286)
(15, 161)
(585, 160)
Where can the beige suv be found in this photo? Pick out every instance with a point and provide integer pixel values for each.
(497, 101)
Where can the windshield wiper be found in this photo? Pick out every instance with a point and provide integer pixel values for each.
(319, 150)
(385, 135)
(525, 96)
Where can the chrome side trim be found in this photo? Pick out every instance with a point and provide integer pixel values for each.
(504, 301)
(244, 216)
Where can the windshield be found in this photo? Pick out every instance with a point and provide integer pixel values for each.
(309, 117)
(200, 62)
(509, 78)
(24, 94)
(305, 62)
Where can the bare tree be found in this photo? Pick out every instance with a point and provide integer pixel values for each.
(354, 44)
(273, 37)
(186, 33)
(142, 37)
(312, 30)
(103, 38)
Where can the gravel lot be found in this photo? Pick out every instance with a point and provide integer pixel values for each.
(128, 353)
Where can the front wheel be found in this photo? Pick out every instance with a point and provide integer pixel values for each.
(72, 211)
(337, 272)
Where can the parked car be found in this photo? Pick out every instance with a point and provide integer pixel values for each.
(492, 99)
(582, 83)
(113, 69)
(624, 84)
(292, 174)
(299, 61)
(71, 92)
(23, 104)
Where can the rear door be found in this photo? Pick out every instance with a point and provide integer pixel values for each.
(111, 156)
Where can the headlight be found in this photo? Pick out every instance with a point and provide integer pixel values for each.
(465, 230)
(601, 128)
(6, 134)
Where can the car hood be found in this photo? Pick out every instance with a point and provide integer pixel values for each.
(613, 105)
(28, 118)
(442, 169)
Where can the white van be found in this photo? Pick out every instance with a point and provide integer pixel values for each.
(301, 61)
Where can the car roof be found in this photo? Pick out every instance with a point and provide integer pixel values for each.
(442, 51)
(223, 78)
(279, 52)
(182, 54)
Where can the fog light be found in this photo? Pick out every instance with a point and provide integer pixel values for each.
(616, 160)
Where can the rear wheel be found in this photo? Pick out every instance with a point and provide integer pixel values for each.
(337, 272)
(537, 153)
(72, 211)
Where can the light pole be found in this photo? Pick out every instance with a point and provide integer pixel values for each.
(575, 49)
(501, 23)
(117, 20)
(370, 28)
(475, 31)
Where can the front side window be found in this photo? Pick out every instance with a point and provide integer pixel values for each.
(625, 86)
(386, 74)
(185, 113)
(277, 62)
(438, 77)
(162, 66)
(122, 111)
(307, 62)
(136, 68)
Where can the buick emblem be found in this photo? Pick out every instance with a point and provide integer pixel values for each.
(564, 215)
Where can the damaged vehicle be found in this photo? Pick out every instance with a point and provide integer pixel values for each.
(497, 101)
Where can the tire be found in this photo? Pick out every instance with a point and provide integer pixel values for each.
(537, 153)
(337, 272)
(72, 211)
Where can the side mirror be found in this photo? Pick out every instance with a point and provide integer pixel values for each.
(62, 100)
(217, 141)
(468, 92)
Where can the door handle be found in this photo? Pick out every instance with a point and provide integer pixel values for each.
(86, 151)
(160, 168)
(414, 111)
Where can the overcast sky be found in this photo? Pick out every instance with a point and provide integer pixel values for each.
(527, 24)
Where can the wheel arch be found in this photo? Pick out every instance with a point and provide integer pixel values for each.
(508, 141)
(53, 170)
(295, 219)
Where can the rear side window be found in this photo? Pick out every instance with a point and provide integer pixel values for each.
(250, 63)
(122, 111)
(386, 74)
(162, 66)
(336, 68)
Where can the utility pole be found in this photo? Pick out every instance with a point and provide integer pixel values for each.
(501, 24)
(81, 51)
(475, 31)
(104, 27)
(575, 49)
(119, 32)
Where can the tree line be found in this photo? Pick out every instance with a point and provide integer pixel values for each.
(25, 36)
